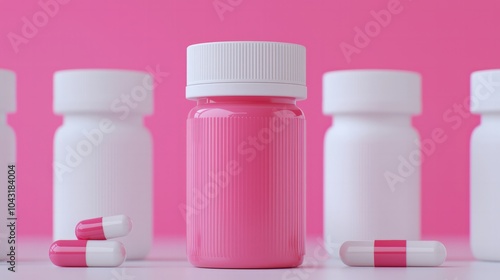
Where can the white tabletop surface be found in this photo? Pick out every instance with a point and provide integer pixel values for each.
(168, 261)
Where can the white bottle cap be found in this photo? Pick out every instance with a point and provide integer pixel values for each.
(371, 91)
(93, 90)
(246, 69)
(485, 91)
(7, 91)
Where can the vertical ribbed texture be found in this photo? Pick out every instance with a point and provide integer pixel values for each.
(246, 62)
(254, 218)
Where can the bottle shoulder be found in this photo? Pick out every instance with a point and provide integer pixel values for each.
(112, 129)
(354, 128)
(362, 133)
(245, 110)
(8, 131)
(485, 133)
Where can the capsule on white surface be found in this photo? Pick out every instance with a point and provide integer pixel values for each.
(103, 228)
(87, 253)
(392, 253)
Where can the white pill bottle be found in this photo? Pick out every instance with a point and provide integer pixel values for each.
(372, 157)
(103, 163)
(7, 157)
(485, 166)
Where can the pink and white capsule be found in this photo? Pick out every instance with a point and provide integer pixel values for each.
(103, 228)
(392, 253)
(87, 253)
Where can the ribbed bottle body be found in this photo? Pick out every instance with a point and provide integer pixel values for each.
(246, 183)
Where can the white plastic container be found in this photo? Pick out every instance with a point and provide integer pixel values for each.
(103, 163)
(7, 152)
(485, 166)
(372, 156)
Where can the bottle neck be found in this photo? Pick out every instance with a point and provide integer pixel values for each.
(490, 118)
(370, 119)
(97, 117)
(257, 100)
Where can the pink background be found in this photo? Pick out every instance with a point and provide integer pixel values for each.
(444, 40)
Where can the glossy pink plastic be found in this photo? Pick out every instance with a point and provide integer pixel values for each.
(246, 183)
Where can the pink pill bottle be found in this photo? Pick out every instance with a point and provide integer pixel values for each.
(246, 175)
